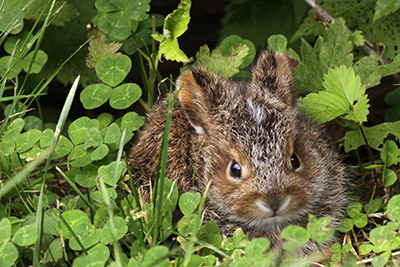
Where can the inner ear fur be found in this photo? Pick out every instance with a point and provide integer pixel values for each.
(196, 97)
(272, 73)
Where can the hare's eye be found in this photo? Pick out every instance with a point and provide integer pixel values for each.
(294, 160)
(235, 170)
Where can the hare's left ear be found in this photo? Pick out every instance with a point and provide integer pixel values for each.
(272, 73)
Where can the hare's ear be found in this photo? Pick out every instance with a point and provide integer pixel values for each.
(197, 89)
(272, 73)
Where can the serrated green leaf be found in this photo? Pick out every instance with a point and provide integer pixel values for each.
(177, 22)
(113, 70)
(95, 95)
(171, 51)
(8, 254)
(385, 7)
(99, 47)
(125, 95)
(358, 38)
(26, 235)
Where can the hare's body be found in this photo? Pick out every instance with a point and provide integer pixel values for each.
(269, 166)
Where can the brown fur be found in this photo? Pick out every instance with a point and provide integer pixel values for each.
(258, 126)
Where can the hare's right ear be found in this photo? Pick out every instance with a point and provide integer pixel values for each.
(196, 97)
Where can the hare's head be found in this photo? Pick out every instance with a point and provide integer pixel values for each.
(268, 166)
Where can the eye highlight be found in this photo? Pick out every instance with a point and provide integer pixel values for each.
(294, 160)
(235, 170)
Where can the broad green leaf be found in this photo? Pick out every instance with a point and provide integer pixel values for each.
(390, 153)
(38, 63)
(87, 235)
(26, 236)
(104, 120)
(385, 7)
(257, 247)
(277, 43)
(100, 152)
(360, 220)
(106, 6)
(113, 134)
(120, 227)
(97, 256)
(156, 256)
(113, 70)
(188, 202)
(79, 130)
(353, 209)
(345, 225)
(11, 20)
(5, 230)
(63, 148)
(393, 97)
(94, 138)
(139, 10)
(125, 95)
(31, 153)
(5, 64)
(79, 156)
(86, 177)
(54, 252)
(8, 254)
(33, 122)
(131, 121)
(365, 249)
(117, 25)
(374, 206)
(389, 177)
(107, 172)
(95, 95)
(393, 208)
(240, 240)
(215, 62)
(296, 236)
(231, 42)
(7, 146)
(318, 228)
(74, 218)
(26, 140)
(382, 237)
(14, 128)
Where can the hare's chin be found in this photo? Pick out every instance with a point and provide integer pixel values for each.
(275, 223)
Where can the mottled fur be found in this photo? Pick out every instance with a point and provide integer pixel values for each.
(257, 125)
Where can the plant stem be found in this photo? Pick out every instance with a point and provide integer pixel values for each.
(371, 156)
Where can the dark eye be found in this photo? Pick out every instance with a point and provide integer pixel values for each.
(294, 160)
(235, 170)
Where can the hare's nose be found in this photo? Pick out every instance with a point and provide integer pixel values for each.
(273, 206)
